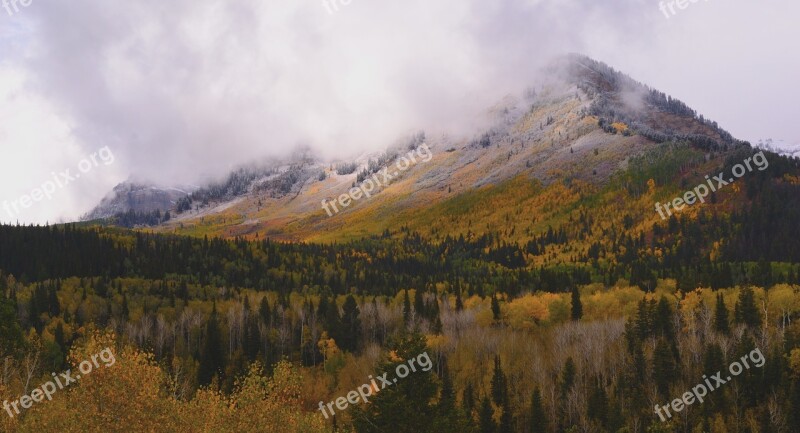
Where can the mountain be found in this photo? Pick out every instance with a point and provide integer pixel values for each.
(782, 147)
(139, 197)
(549, 248)
(573, 134)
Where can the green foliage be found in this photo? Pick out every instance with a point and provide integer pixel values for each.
(404, 407)
(538, 420)
(11, 338)
(721, 324)
(577, 306)
(486, 422)
(746, 311)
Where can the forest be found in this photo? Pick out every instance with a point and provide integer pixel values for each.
(584, 326)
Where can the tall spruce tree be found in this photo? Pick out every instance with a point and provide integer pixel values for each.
(747, 311)
(495, 308)
(486, 417)
(407, 406)
(499, 384)
(211, 359)
(351, 325)
(538, 421)
(721, 319)
(577, 306)
(664, 369)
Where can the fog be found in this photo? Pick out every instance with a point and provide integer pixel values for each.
(181, 91)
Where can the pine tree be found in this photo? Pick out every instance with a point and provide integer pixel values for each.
(664, 319)
(721, 324)
(495, 308)
(538, 422)
(211, 358)
(567, 377)
(407, 406)
(468, 400)
(577, 306)
(264, 312)
(664, 370)
(486, 418)
(11, 337)
(506, 421)
(419, 304)
(54, 306)
(597, 406)
(125, 311)
(351, 325)
(406, 309)
(436, 320)
(499, 384)
(450, 417)
(748, 311)
(459, 302)
(794, 406)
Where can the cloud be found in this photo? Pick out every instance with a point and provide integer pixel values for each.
(181, 90)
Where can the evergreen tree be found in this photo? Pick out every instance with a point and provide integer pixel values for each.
(264, 312)
(499, 384)
(748, 312)
(351, 325)
(664, 370)
(54, 306)
(468, 400)
(495, 308)
(794, 406)
(405, 407)
(538, 422)
(459, 302)
(11, 337)
(450, 417)
(664, 319)
(486, 418)
(328, 312)
(436, 325)
(577, 306)
(568, 377)
(211, 358)
(597, 406)
(419, 304)
(506, 421)
(406, 309)
(125, 310)
(721, 324)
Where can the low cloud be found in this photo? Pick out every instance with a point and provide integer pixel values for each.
(183, 90)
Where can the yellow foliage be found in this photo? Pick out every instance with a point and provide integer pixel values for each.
(619, 126)
(651, 185)
(127, 396)
(526, 312)
(794, 362)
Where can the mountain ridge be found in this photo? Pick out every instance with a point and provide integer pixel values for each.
(582, 123)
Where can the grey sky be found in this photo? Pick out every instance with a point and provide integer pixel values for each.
(180, 89)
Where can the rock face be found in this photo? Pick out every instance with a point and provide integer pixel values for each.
(139, 197)
(580, 122)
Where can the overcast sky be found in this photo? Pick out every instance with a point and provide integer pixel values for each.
(182, 89)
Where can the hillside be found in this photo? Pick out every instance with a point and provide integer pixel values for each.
(579, 125)
(540, 273)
